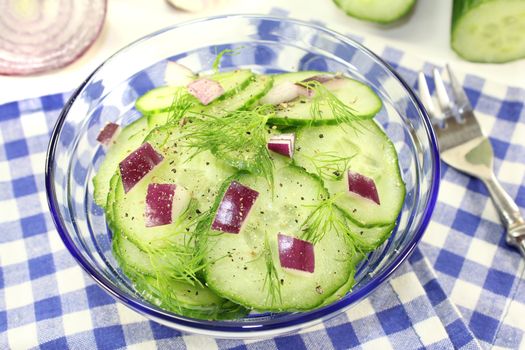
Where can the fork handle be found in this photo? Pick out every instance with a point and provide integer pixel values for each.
(509, 212)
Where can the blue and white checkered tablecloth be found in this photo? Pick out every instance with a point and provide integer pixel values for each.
(462, 288)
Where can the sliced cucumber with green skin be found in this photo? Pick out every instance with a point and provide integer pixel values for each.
(156, 120)
(345, 288)
(243, 99)
(363, 148)
(237, 264)
(360, 98)
(161, 99)
(127, 141)
(183, 298)
(365, 239)
(490, 31)
(198, 177)
(379, 11)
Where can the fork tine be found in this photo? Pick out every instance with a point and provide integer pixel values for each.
(424, 93)
(442, 95)
(460, 97)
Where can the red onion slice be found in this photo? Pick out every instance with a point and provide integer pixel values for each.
(281, 93)
(234, 208)
(205, 90)
(324, 79)
(159, 204)
(363, 186)
(108, 133)
(177, 75)
(138, 164)
(296, 254)
(283, 144)
(37, 36)
(321, 78)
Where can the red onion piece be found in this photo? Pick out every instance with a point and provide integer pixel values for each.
(363, 186)
(296, 254)
(177, 75)
(321, 78)
(159, 204)
(138, 164)
(283, 144)
(108, 133)
(234, 208)
(281, 93)
(37, 36)
(205, 90)
(324, 79)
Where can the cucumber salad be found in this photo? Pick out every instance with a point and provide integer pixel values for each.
(237, 192)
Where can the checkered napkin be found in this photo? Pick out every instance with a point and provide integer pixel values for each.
(462, 288)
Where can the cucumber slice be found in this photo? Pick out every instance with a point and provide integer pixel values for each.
(490, 31)
(379, 11)
(128, 140)
(330, 151)
(186, 299)
(365, 239)
(243, 99)
(237, 263)
(160, 99)
(345, 288)
(361, 99)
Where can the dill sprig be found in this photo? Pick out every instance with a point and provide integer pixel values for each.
(238, 138)
(271, 281)
(320, 221)
(321, 97)
(329, 165)
(328, 217)
(181, 104)
(217, 61)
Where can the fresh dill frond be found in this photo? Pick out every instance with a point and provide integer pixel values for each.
(271, 281)
(320, 221)
(328, 217)
(321, 97)
(181, 104)
(329, 165)
(217, 61)
(239, 139)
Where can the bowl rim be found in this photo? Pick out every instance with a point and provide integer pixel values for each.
(240, 329)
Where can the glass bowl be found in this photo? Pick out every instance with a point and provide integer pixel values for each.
(266, 45)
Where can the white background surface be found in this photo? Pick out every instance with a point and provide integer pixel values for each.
(425, 34)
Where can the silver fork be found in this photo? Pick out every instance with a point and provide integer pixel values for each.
(464, 147)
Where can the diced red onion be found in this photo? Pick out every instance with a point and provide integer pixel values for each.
(363, 186)
(283, 144)
(37, 36)
(159, 204)
(321, 78)
(177, 75)
(138, 164)
(281, 93)
(296, 254)
(108, 133)
(234, 208)
(205, 90)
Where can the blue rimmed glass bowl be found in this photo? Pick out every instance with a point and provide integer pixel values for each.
(266, 45)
